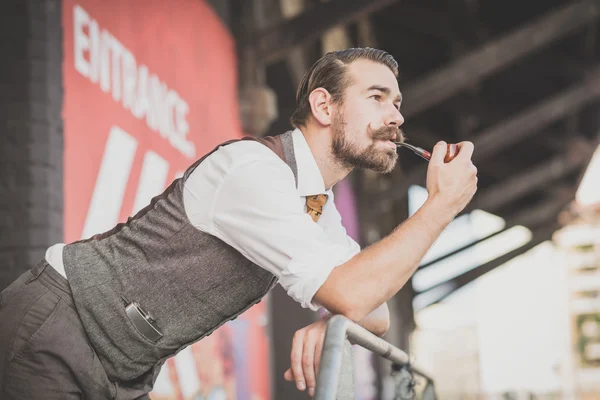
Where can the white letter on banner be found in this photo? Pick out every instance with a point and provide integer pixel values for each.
(152, 181)
(105, 39)
(155, 109)
(159, 98)
(141, 99)
(116, 52)
(81, 41)
(94, 51)
(129, 80)
(183, 128)
(107, 198)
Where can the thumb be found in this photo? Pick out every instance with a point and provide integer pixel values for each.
(438, 154)
(288, 375)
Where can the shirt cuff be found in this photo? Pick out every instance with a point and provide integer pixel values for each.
(305, 274)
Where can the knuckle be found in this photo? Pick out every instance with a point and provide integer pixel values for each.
(307, 359)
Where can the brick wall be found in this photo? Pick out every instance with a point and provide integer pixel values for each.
(31, 137)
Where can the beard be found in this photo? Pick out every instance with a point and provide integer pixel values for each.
(349, 155)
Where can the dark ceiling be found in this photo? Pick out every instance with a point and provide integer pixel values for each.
(521, 79)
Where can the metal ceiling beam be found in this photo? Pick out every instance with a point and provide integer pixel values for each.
(421, 20)
(497, 196)
(274, 43)
(539, 236)
(495, 55)
(530, 218)
(509, 132)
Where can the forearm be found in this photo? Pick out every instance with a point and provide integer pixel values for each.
(379, 271)
(376, 322)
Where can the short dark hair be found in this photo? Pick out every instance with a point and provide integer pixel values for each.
(329, 72)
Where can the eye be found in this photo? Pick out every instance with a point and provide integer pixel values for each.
(376, 97)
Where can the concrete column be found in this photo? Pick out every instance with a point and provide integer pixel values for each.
(31, 141)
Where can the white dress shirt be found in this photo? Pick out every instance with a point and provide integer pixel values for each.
(245, 195)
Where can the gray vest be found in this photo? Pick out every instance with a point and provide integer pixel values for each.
(189, 281)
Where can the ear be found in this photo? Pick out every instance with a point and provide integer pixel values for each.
(320, 105)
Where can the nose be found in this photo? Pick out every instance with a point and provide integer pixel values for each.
(394, 118)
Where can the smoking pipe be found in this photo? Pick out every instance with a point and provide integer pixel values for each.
(451, 151)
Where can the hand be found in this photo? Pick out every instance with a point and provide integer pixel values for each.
(307, 346)
(455, 182)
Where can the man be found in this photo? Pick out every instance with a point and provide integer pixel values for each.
(97, 318)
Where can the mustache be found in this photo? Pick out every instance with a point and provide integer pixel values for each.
(388, 133)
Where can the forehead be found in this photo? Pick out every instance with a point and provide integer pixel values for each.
(366, 73)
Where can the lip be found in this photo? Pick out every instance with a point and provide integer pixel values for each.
(389, 142)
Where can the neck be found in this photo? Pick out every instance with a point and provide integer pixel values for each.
(320, 140)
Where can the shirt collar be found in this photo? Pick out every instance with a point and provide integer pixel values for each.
(310, 180)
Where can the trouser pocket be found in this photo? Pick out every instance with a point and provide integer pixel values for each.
(34, 323)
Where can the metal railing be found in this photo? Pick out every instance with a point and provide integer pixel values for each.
(335, 377)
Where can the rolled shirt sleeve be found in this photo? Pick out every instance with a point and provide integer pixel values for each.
(257, 210)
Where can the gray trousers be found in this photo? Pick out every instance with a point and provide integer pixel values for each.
(44, 350)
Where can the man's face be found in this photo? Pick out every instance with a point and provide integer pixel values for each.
(368, 120)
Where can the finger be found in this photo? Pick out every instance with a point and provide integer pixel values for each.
(319, 352)
(288, 375)
(308, 362)
(465, 150)
(438, 153)
(296, 360)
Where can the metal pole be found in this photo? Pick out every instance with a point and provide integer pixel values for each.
(340, 329)
(331, 359)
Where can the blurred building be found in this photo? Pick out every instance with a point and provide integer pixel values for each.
(581, 247)
(579, 242)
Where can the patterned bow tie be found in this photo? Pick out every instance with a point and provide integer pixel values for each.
(314, 205)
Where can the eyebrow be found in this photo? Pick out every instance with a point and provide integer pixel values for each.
(385, 90)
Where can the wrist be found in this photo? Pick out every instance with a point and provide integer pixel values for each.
(439, 210)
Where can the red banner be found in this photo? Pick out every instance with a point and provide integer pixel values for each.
(150, 86)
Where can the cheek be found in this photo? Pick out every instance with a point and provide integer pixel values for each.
(369, 118)
(358, 122)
